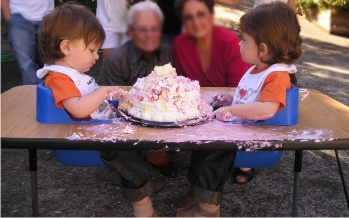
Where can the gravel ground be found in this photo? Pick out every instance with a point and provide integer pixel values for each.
(84, 192)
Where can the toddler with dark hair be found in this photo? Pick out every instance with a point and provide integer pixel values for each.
(70, 38)
(271, 42)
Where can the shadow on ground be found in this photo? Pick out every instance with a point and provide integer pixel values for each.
(324, 67)
(75, 192)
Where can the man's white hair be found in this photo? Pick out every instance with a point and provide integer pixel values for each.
(144, 6)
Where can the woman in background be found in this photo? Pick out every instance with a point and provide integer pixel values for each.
(211, 55)
(206, 52)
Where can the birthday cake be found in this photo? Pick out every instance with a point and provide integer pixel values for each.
(164, 97)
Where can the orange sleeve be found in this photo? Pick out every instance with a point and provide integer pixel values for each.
(274, 88)
(62, 87)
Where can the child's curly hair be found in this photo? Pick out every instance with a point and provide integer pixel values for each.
(277, 26)
(68, 21)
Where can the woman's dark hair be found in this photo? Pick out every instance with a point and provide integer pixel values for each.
(68, 21)
(277, 26)
(179, 5)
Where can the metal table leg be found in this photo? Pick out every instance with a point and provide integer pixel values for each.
(342, 177)
(297, 171)
(34, 182)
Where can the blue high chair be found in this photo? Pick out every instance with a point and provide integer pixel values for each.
(287, 116)
(48, 113)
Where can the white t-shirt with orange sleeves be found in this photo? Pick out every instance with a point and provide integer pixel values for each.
(62, 79)
(268, 84)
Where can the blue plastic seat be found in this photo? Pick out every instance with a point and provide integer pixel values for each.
(285, 117)
(256, 159)
(48, 113)
(79, 158)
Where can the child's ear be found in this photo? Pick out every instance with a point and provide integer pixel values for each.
(65, 47)
(263, 50)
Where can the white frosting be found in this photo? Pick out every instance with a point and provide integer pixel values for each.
(165, 71)
(164, 98)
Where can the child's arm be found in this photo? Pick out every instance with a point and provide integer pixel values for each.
(251, 111)
(83, 106)
(5, 9)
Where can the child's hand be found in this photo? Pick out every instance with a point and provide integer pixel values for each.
(204, 108)
(223, 114)
(222, 100)
(124, 101)
(114, 92)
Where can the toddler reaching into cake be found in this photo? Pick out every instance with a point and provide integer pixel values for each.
(70, 38)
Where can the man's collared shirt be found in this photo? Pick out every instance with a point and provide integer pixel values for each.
(126, 64)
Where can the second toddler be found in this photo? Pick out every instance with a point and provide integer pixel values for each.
(271, 42)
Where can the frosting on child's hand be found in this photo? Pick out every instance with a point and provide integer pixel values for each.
(221, 100)
(221, 114)
(224, 115)
(115, 94)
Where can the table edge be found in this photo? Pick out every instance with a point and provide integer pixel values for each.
(136, 145)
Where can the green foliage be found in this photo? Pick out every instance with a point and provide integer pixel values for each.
(92, 4)
(303, 5)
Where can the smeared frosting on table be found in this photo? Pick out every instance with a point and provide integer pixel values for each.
(105, 132)
(244, 136)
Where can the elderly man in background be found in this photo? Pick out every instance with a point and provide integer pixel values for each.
(124, 65)
(138, 57)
